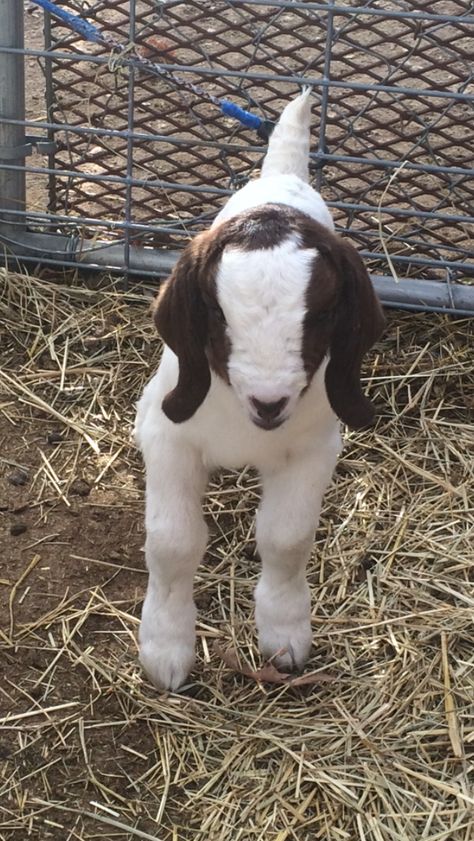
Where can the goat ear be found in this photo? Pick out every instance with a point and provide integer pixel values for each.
(359, 323)
(181, 318)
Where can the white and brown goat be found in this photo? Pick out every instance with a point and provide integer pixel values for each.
(266, 319)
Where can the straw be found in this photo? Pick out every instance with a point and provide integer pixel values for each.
(376, 747)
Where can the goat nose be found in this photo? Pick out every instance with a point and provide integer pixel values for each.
(269, 410)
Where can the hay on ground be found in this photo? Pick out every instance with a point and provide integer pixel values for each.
(381, 751)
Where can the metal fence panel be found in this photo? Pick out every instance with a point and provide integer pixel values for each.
(140, 159)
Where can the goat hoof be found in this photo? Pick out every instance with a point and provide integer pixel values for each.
(288, 648)
(167, 667)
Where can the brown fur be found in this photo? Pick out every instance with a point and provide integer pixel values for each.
(343, 316)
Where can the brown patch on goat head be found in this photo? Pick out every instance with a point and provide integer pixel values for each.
(359, 322)
(258, 228)
(182, 321)
(190, 320)
(343, 317)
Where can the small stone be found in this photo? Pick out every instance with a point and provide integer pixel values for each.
(99, 513)
(18, 528)
(5, 750)
(368, 562)
(19, 476)
(203, 601)
(20, 507)
(80, 487)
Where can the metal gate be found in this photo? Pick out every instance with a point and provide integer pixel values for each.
(125, 161)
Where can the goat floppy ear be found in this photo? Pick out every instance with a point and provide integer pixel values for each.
(181, 318)
(359, 323)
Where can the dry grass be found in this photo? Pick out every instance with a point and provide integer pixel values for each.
(89, 749)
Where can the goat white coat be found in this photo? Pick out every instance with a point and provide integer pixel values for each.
(262, 294)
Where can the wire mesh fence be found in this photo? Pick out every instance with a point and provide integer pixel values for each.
(136, 157)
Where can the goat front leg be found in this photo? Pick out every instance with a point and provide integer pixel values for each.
(286, 523)
(175, 543)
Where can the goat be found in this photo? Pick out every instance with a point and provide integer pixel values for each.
(265, 319)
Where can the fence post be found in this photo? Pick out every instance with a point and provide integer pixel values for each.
(12, 106)
(325, 97)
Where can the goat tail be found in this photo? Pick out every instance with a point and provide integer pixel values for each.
(288, 147)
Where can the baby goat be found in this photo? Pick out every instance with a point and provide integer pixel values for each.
(266, 319)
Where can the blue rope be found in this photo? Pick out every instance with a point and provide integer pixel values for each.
(230, 109)
(88, 30)
(92, 33)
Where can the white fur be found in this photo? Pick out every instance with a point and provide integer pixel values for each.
(265, 326)
(262, 294)
(296, 462)
(284, 189)
(291, 134)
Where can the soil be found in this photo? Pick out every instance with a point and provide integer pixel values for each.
(93, 544)
(78, 543)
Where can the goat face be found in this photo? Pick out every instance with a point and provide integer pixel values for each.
(261, 299)
(262, 295)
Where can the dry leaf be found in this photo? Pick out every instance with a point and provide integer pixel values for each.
(269, 673)
(154, 44)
